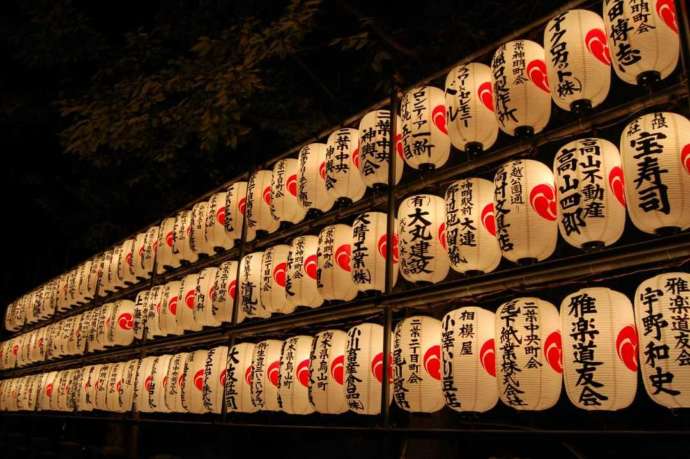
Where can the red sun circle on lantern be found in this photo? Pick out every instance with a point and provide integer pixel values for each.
(128, 259)
(311, 266)
(302, 372)
(338, 369)
(220, 215)
(382, 244)
(165, 381)
(118, 385)
(172, 305)
(125, 321)
(485, 93)
(597, 44)
(322, 170)
(536, 71)
(169, 239)
(342, 257)
(223, 377)
(274, 372)
(248, 375)
(148, 383)
(377, 367)
(487, 356)
(616, 182)
(291, 184)
(279, 274)
(438, 114)
(355, 157)
(232, 288)
(488, 219)
(685, 158)
(432, 361)
(442, 236)
(626, 347)
(267, 195)
(49, 390)
(399, 145)
(141, 251)
(553, 351)
(190, 299)
(199, 379)
(242, 205)
(543, 201)
(666, 9)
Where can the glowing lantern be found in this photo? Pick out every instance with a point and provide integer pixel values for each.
(369, 245)
(591, 193)
(152, 310)
(175, 382)
(578, 62)
(140, 305)
(125, 270)
(138, 255)
(197, 237)
(422, 229)
(528, 354)
(112, 393)
(49, 382)
(100, 389)
(235, 207)
(284, 203)
(187, 302)
(216, 235)
(374, 148)
(183, 237)
(249, 304)
(334, 274)
(343, 179)
(166, 255)
(203, 313)
(145, 385)
(273, 275)
(425, 140)
(644, 44)
(238, 385)
(327, 365)
(661, 309)
(525, 211)
(301, 273)
(224, 288)
(364, 368)
(205, 380)
(127, 386)
(123, 329)
(259, 215)
(266, 375)
(311, 178)
(655, 152)
(105, 286)
(116, 283)
(145, 253)
(600, 349)
(84, 402)
(472, 126)
(169, 303)
(293, 385)
(522, 101)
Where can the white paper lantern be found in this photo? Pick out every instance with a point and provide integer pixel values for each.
(123, 328)
(600, 349)
(125, 386)
(238, 385)
(284, 203)
(578, 62)
(422, 230)
(183, 237)
(259, 215)
(472, 125)
(100, 389)
(425, 140)
(655, 152)
(311, 178)
(525, 211)
(364, 369)
(293, 385)
(105, 329)
(249, 303)
(153, 309)
(159, 371)
(197, 238)
(235, 208)
(343, 179)
(140, 305)
(145, 253)
(138, 256)
(327, 372)
(203, 313)
(417, 365)
(170, 303)
(112, 392)
(369, 245)
(334, 274)
(187, 302)
(175, 382)
(84, 402)
(205, 380)
(591, 193)
(644, 42)
(105, 286)
(166, 255)
(374, 148)
(126, 270)
(522, 101)
(662, 304)
(116, 283)
(273, 277)
(224, 289)
(528, 354)
(266, 375)
(216, 235)
(301, 273)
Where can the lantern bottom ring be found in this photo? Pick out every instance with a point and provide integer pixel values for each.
(341, 203)
(473, 150)
(524, 132)
(649, 79)
(527, 261)
(667, 230)
(592, 246)
(581, 107)
(473, 272)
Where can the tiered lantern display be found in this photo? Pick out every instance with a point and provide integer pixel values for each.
(369, 245)
(259, 215)
(293, 385)
(238, 386)
(343, 179)
(364, 368)
(375, 146)
(425, 140)
(327, 372)
(311, 178)
(284, 203)
(301, 273)
(334, 274)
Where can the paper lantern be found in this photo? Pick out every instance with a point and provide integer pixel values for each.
(167, 257)
(175, 382)
(100, 389)
(374, 148)
(472, 125)
(84, 401)
(417, 365)
(224, 288)
(123, 326)
(150, 250)
(591, 193)
(369, 245)
(187, 302)
(183, 237)
(364, 369)
(145, 386)
(273, 276)
(259, 216)
(46, 396)
(138, 256)
(311, 178)
(301, 273)
(153, 309)
(334, 274)
(122, 385)
(522, 101)
(600, 349)
(105, 286)
(104, 335)
(469, 359)
(140, 305)
(205, 380)
(238, 385)
(643, 39)
(327, 372)
(528, 354)
(525, 211)
(112, 393)
(116, 283)
(125, 271)
(422, 229)
(203, 313)
(197, 237)
(293, 384)
(655, 152)
(343, 180)
(578, 62)
(284, 203)
(266, 375)
(249, 304)
(216, 235)
(170, 302)
(159, 372)
(662, 304)
(235, 207)
(425, 140)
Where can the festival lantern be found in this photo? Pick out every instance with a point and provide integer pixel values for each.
(284, 203)
(100, 388)
(166, 255)
(152, 309)
(194, 381)
(422, 230)
(301, 273)
(216, 235)
(79, 291)
(327, 372)
(62, 302)
(205, 380)
(105, 286)
(105, 329)
(90, 289)
(364, 369)
(334, 273)
(84, 401)
(662, 303)
(525, 211)
(238, 385)
(175, 382)
(472, 125)
(183, 237)
(187, 300)
(293, 384)
(655, 152)
(127, 383)
(123, 329)
(343, 180)
(600, 349)
(426, 145)
(150, 250)
(140, 303)
(170, 293)
(116, 281)
(591, 193)
(259, 216)
(311, 179)
(644, 42)
(249, 303)
(273, 276)
(469, 359)
(203, 313)
(374, 148)
(369, 245)
(235, 208)
(522, 101)
(126, 268)
(266, 375)
(138, 256)
(578, 62)
(46, 394)
(197, 237)
(114, 381)
(224, 288)
(145, 385)
(417, 365)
